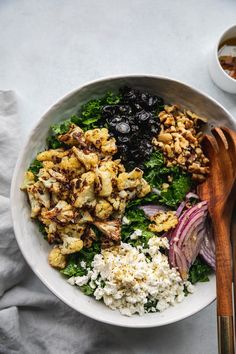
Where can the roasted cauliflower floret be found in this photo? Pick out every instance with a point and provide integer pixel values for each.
(83, 190)
(111, 228)
(50, 155)
(88, 159)
(38, 196)
(28, 180)
(48, 181)
(35, 205)
(163, 221)
(113, 167)
(88, 237)
(62, 212)
(103, 183)
(57, 175)
(70, 245)
(72, 230)
(51, 229)
(48, 164)
(129, 180)
(103, 209)
(109, 147)
(71, 166)
(56, 258)
(97, 137)
(100, 139)
(143, 189)
(85, 217)
(75, 136)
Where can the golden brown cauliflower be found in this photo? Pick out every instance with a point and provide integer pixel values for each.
(84, 217)
(109, 147)
(28, 180)
(97, 137)
(129, 180)
(143, 189)
(71, 166)
(163, 221)
(75, 136)
(88, 159)
(83, 190)
(38, 197)
(111, 232)
(101, 140)
(103, 209)
(57, 175)
(88, 237)
(114, 167)
(48, 181)
(103, 183)
(62, 212)
(50, 155)
(72, 230)
(112, 228)
(48, 164)
(70, 245)
(56, 258)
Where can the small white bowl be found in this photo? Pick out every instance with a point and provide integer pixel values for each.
(218, 74)
(33, 246)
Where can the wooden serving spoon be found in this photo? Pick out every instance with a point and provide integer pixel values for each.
(217, 191)
(231, 140)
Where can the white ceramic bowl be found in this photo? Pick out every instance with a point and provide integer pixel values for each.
(219, 76)
(35, 249)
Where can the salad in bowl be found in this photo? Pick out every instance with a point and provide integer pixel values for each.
(114, 194)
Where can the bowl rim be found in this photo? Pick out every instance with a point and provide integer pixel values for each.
(216, 53)
(23, 250)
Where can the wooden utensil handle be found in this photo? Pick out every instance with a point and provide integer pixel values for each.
(225, 334)
(233, 242)
(224, 275)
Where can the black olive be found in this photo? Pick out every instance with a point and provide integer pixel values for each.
(152, 101)
(143, 116)
(108, 111)
(130, 95)
(123, 128)
(137, 107)
(125, 109)
(114, 121)
(134, 123)
(134, 128)
(123, 139)
(123, 148)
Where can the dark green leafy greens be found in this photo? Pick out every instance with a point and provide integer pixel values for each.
(87, 118)
(74, 267)
(199, 271)
(156, 173)
(35, 166)
(137, 221)
(41, 228)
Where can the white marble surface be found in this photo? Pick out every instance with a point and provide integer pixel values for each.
(48, 48)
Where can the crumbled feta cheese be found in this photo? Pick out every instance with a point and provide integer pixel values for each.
(127, 278)
(83, 264)
(125, 220)
(71, 281)
(135, 235)
(189, 287)
(82, 280)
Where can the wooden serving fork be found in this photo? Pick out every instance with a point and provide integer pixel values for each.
(218, 191)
